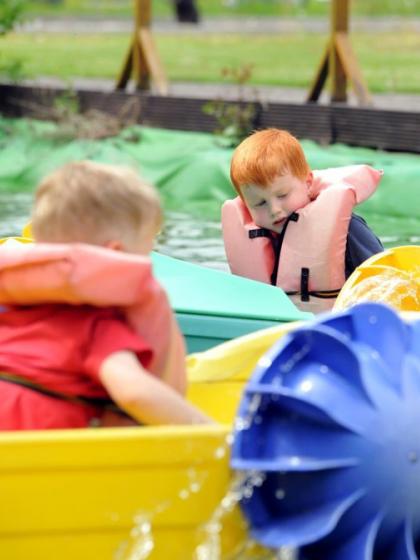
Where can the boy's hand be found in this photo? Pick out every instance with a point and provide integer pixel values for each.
(144, 397)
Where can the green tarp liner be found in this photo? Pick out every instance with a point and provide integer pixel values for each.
(191, 170)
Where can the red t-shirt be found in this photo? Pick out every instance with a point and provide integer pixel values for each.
(60, 347)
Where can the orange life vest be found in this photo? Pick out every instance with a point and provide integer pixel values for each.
(40, 273)
(307, 260)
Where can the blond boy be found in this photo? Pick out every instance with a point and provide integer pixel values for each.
(59, 360)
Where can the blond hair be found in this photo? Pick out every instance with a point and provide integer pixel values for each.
(265, 155)
(93, 203)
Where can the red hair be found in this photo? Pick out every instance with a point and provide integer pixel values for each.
(265, 155)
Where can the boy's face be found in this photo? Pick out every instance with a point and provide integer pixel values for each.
(270, 206)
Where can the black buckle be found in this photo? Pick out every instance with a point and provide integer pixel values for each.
(304, 284)
(254, 233)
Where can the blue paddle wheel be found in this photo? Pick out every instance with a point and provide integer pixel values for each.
(331, 417)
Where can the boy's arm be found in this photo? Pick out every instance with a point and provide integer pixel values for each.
(144, 397)
(174, 373)
(362, 244)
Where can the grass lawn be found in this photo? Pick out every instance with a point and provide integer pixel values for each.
(389, 61)
(220, 8)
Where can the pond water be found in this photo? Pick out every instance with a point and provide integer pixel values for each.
(188, 237)
(193, 236)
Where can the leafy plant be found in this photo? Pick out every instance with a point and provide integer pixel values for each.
(10, 14)
(235, 119)
(12, 71)
(66, 105)
(92, 124)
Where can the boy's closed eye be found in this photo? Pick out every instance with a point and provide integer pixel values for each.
(259, 204)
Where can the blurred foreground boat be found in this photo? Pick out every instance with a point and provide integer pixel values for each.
(125, 493)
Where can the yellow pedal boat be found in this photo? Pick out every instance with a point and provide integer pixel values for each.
(392, 277)
(132, 493)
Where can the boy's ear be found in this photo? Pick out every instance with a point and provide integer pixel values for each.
(114, 245)
(310, 182)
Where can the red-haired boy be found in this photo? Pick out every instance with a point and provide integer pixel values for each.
(294, 227)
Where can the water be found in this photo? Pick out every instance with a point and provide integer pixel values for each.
(15, 209)
(188, 237)
(192, 237)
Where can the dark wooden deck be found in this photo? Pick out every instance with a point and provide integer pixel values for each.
(383, 129)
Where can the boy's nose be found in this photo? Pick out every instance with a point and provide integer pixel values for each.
(275, 207)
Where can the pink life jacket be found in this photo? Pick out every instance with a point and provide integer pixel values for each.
(307, 260)
(41, 273)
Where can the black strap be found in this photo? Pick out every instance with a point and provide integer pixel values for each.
(104, 404)
(260, 232)
(304, 284)
(327, 294)
(273, 278)
(304, 278)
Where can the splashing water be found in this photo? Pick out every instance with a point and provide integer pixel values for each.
(399, 289)
(141, 540)
(242, 486)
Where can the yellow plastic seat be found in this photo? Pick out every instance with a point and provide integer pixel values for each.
(392, 277)
(27, 231)
(20, 239)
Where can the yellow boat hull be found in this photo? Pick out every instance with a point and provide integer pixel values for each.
(107, 493)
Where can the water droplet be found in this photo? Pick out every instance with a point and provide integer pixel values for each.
(248, 492)
(145, 528)
(413, 457)
(258, 479)
(241, 424)
(184, 494)
(280, 494)
(264, 361)
(324, 369)
(195, 487)
(373, 319)
(220, 452)
(306, 386)
(134, 532)
(258, 420)
(229, 439)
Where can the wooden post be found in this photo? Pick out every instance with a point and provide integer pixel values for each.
(339, 61)
(142, 59)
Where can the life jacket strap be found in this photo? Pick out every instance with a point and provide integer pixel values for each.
(304, 284)
(260, 232)
(104, 404)
(292, 218)
(327, 294)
